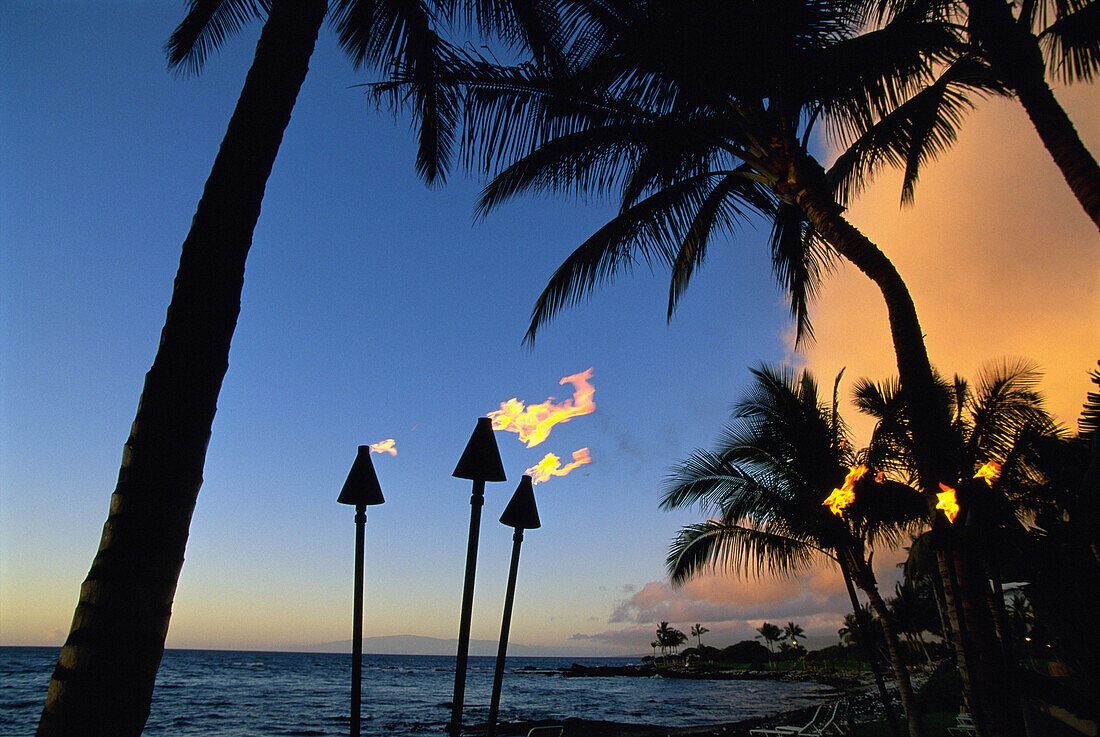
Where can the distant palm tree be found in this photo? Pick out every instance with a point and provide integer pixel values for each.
(104, 678)
(792, 632)
(664, 637)
(697, 631)
(771, 634)
(763, 489)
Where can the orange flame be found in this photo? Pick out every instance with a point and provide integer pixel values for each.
(845, 495)
(988, 472)
(533, 423)
(384, 446)
(550, 465)
(948, 503)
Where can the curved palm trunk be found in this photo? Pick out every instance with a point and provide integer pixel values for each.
(104, 678)
(1015, 55)
(928, 422)
(864, 579)
(869, 649)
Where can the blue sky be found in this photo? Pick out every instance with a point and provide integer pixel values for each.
(373, 307)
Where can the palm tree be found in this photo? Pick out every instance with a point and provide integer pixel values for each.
(105, 674)
(771, 634)
(697, 631)
(697, 120)
(997, 432)
(792, 632)
(669, 638)
(764, 489)
(1003, 48)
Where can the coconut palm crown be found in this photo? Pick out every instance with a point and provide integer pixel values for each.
(764, 487)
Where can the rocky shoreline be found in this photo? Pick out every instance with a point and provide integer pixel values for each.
(864, 704)
(835, 679)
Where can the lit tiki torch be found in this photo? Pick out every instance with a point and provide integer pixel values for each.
(480, 462)
(361, 490)
(521, 514)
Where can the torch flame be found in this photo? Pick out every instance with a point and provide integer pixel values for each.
(845, 495)
(948, 503)
(988, 472)
(550, 465)
(384, 446)
(533, 423)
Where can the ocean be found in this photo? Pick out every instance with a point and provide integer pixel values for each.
(259, 694)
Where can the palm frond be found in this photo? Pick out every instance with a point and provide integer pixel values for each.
(860, 79)
(915, 132)
(1072, 45)
(1004, 401)
(1088, 424)
(800, 261)
(719, 208)
(649, 231)
(205, 26)
(736, 549)
(704, 479)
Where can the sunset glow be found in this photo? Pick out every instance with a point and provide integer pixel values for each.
(947, 503)
(384, 446)
(550, 465)
(533, 424)
(845, 495)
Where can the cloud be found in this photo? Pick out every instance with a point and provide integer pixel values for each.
(732, 608)
(999, 257)
(717, 599)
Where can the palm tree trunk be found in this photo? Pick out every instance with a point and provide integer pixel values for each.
(1016, 57)
(869, 648)
(103, 682)
(864, 578)
(927, 415)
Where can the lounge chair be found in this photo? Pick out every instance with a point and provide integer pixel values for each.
(787, 729)
(825, 722)
(964, 726)
(550, 731)
(837, 725)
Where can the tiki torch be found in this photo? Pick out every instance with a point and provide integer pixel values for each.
(360, 490)
(521, 514)
(480, 462)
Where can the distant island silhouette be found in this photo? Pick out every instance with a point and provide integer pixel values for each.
(420, 645)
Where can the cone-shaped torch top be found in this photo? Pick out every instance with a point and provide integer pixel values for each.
(361, 487)
(481, 459)
(521, 511)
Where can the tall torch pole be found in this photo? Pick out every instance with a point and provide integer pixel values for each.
(521, 513)
(480, 462)
(360, 490)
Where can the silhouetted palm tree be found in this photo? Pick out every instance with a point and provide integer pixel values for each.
(792, 632)
(997, 428)
(764, 489)
(771, 635)
(104, 678)
(1003, 48)
(696, 119)
(697, 631)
